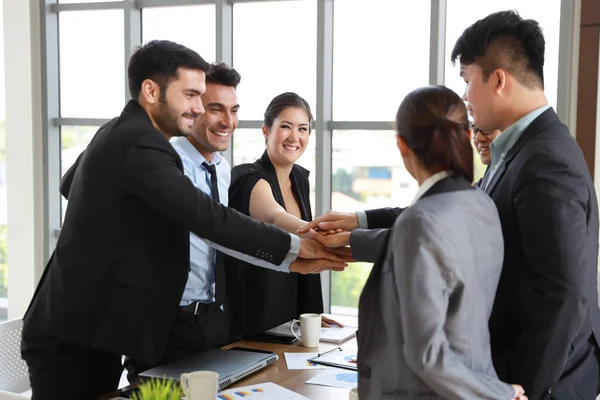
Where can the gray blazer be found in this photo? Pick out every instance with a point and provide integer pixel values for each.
(423, 314)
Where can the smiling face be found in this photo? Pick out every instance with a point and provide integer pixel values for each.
(175, 113)
(213, 130)
(288, 136)
(481, 141)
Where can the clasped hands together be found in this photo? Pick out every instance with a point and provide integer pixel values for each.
(324, 243)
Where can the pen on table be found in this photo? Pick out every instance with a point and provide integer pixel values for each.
(329, 352)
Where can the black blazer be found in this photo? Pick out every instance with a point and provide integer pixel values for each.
(259, 299)
(546, 312)
(116, 277)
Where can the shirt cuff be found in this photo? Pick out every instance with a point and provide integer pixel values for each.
(363, 222)
(292, 254)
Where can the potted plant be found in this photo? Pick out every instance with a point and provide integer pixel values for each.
(158, 389)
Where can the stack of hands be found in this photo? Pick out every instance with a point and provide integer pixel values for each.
(325, 244)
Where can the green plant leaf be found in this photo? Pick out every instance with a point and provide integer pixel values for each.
(158, 389)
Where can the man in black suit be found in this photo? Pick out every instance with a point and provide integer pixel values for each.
(114, 282)
(545, 323)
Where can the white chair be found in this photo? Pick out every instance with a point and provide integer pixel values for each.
(12, 396)
(14, 378)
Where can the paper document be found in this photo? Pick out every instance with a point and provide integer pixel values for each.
(335, 378)
(267, 390)
(299, 361)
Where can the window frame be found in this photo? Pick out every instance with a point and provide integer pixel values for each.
(324, 126)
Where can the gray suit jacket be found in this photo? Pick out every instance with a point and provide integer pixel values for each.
(423, 314)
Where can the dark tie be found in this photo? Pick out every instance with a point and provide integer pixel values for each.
(219, 267)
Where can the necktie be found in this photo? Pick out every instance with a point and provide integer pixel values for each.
(219, 267)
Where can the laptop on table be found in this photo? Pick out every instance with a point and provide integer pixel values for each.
(232, 365)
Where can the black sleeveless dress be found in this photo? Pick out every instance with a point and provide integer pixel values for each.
(259, 299)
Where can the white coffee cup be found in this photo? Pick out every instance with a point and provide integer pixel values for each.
(353, 394)
(310, 329)
(200, 385)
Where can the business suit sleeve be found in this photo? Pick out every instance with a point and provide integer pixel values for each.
(382, 218)
(550, 199)
(368, 244)
(425, 280)
(150, 171)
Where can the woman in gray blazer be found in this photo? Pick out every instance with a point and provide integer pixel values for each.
(423, 313)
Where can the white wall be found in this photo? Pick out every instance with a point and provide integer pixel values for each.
(24, 144)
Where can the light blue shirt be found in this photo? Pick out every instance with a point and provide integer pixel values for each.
(502, 144)
(201, 280)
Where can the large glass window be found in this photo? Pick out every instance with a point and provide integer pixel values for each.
(275, 51)
(165, 23)
(380, 54)
(367, 172)
(381, 51)
(92, 79)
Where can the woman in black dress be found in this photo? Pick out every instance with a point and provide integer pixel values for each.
(274, 190)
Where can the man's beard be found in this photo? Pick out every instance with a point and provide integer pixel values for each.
(166, 119)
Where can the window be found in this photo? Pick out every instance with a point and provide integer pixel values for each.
(274, 49)
(166, 23)
(92, 82)
(378, 57)
(356, 187)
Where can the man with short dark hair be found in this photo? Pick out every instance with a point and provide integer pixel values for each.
(545, 323)
(201, 323)
(115, 280)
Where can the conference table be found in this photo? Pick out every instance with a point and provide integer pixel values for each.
(292, 379)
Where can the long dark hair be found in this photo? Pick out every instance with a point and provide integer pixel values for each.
(433, 121)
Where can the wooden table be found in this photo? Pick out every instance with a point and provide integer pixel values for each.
(293, 379)
(278, 372)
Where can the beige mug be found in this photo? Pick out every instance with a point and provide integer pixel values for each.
(310, 329)
(353, 394)
(200, 385)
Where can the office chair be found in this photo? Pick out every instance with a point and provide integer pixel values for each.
(14, 377)
(12, 396)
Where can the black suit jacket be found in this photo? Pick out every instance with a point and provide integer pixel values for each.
(382, 218)
(116, 277)
(259, 299)
(546, 312)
